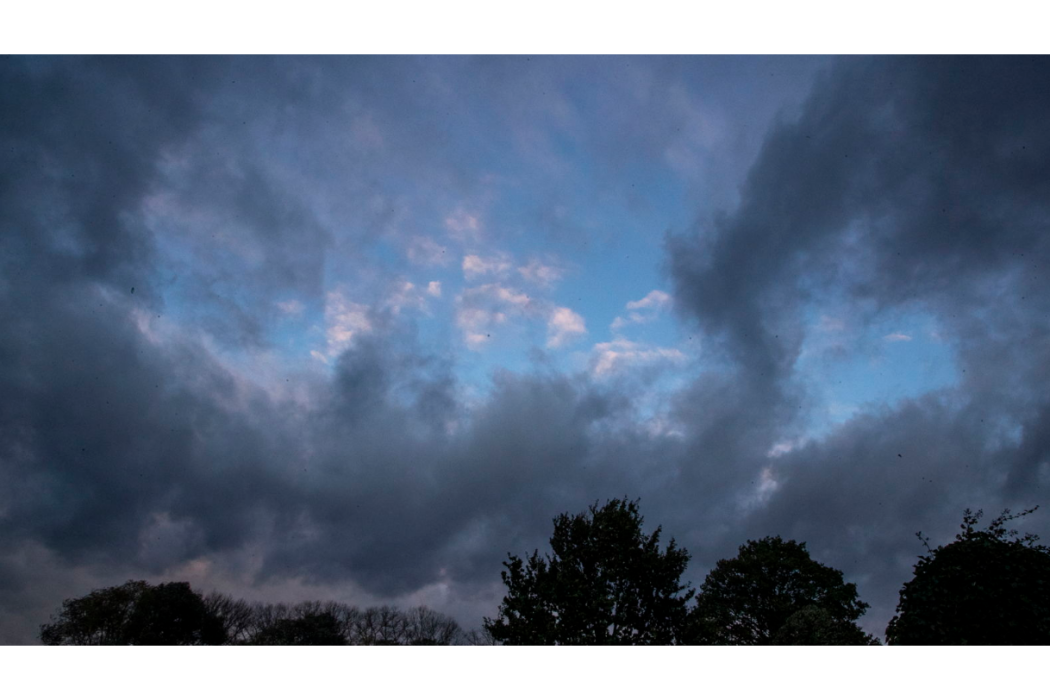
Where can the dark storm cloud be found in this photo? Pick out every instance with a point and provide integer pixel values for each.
(902, 180)
(83, 137)
(134, 453)
(101, 430)
(398, 497)
(132, 448)
(904, 184)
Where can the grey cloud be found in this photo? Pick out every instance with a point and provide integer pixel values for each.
(903, 179)
(914, 184)
(127, 456)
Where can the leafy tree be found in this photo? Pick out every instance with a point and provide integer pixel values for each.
(987, 587)
(135, 613)
(751, 598)
(814, 626)
(99, 618)
(312, 629)
(173, 614)
(605, 583)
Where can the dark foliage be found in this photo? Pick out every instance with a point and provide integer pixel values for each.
(171, 613)
(312, 629)
(815, 626)
(135, 613)
(774, 593)
(606, 582)
(987, 587)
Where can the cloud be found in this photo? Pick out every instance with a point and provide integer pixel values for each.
(896, 337)
(617, 355)
(876, 195)
(563, 325)
(133, 458)
(405, 296)
(133, 444)
(541, 274)
(480, 309)
(434, 288)
(501, 266)
(345, 321)
(475, 266)
(464, 225)
(653, 300)
(645, 310)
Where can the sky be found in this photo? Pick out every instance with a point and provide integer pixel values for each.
(356, 328)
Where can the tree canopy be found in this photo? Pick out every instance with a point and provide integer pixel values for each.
(135, 613)
(773, 592)
(605, 582)
(815, 626)
(311, 629)
(171, 613)
(986, 587)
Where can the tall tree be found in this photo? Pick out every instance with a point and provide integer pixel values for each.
(605, 582)
(99, 618)
(749, 599)
(987, 587)
(135, 613)
(815, 626)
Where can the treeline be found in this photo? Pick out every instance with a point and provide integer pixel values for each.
(138, 613)
(607, 581)
(332, 623)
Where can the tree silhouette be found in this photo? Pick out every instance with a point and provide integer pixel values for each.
(312, 629)
(815, 626)
(986, 587)
(772, 588)
(135, 613)
(605, 583)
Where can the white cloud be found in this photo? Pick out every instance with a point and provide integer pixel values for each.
(784, 447)
(480, 309)
(653, 300)
(541, 274)
(619, 322)
(763, 490)
(896, 337)
(463, 224)
(477, 325)
(563, 324)
(405, 296)
(434, 289)
(345, 320)
(510, 296)
(476, 266)
(644, 310)
(612, 357)
(495, 295)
